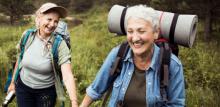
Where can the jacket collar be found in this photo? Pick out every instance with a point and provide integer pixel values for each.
(154, 60)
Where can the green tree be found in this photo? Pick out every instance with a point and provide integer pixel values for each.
(81, 5)
(207, 10)
(166, 5)
(65, 3)
(127, 2)
(16, 8)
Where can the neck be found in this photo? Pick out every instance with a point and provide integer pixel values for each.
(44, 38)
(41, 35)
(143, 61)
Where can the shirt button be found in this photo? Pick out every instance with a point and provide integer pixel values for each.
(149, 83)
(129, 73)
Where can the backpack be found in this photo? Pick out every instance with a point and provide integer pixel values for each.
(62, 30)
(164, 61)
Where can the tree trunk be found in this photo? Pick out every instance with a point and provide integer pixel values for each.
(12, 20)
(208, 24)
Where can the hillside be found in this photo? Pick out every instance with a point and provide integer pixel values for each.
(91, 42)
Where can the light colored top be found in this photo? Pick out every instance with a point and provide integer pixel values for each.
(37, 71)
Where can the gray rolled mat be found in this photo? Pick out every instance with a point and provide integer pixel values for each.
(183, 29)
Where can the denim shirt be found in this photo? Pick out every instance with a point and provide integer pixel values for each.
(175, 90)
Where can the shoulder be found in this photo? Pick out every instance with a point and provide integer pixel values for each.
(28, 32)
(115, 50)
(175, 59)
(112, 54)
(175, 64)
(24, 35)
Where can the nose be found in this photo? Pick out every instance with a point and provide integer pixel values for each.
(53, 24)
(135, 36)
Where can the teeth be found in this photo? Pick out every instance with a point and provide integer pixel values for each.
(137, 44)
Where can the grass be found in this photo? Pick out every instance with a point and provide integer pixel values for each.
(91, 42)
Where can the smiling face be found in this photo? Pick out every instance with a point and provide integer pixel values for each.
(140, 36)
(47, 23)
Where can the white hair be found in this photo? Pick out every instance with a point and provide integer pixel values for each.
(143, 12)
(38, 14)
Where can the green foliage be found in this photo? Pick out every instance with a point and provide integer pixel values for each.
(202, 97)
(16, 8)
(166, 5)
(128, 2)
(65, 3)
(81, 5)
(91, 42)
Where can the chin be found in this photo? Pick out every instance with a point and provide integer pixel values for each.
(48, 32)
(138, 52)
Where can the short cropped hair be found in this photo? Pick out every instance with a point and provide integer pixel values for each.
(143, 12)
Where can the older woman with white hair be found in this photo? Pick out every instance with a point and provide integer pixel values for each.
(138, 84)
(34, 79)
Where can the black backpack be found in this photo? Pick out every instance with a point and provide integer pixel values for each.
(165, 54)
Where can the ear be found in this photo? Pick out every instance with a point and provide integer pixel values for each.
(37, 22)
(156, 34)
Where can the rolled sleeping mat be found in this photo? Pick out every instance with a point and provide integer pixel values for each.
(177, 28)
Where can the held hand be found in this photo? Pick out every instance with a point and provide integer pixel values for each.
(11, 87)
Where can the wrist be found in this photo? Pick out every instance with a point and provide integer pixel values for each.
(74, 102)
(82, 105)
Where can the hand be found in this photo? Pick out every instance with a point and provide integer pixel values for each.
(74, 103)
(11, 87)
(82, 105)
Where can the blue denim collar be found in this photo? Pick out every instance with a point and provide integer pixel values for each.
(154, 61)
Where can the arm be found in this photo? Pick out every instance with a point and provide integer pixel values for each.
(102, 81)
(176, 87)
(69, 83)
(86, 101)
(12, 84)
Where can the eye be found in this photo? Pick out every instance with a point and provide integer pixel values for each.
(129, 31)
(141, 31)
(49, 19)
(56, 21)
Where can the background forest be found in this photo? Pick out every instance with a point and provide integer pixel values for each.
(91, 41)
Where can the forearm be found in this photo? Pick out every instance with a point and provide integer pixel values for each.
(69, 82)
(86, 101)
(176, 88)
(14, 71)
(71, 89)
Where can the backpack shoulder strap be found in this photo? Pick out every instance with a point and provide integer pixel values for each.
(116, 68)
(165, 54)
(23, 42)
(57, 41)
(56, 69)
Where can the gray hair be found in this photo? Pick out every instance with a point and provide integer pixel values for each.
(37, 21)
(143, 12)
